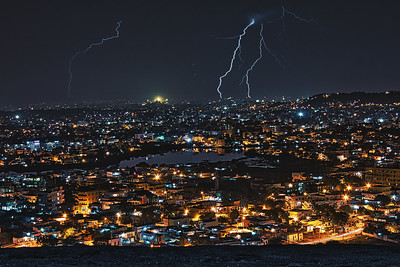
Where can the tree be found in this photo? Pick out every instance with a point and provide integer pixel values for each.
(125, 207)
(345, 208)
(207, 216)
(350, 179)
(277, 214)
(222, 220)
(182, 241)
(280, 204)
(142, 165)
(340, 218)
(384, 200)
(364, 211)
(49, 241)
(325, 211)
(126, 219)
(5, 238)
(329, 214)
(270, 203)
(332, 181)
(234, 215)
(148, 216)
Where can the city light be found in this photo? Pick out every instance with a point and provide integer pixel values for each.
(159, 99)
(62, 219)
(111, 176)
(139, 152)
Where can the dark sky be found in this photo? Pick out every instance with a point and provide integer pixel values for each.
(174, 49)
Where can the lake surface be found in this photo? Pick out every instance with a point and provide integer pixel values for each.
(181, 157)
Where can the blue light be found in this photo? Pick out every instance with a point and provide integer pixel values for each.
(300, 114)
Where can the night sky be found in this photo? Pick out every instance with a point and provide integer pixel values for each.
(175, 49)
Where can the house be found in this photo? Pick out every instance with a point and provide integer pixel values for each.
(176, 221)
(292, 237)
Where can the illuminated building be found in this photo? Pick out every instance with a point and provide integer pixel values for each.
(49, 202)
(84, 199)
(384, 176)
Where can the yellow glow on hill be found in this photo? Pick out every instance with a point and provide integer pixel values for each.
(159, 99)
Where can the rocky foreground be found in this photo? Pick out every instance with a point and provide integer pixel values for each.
(321, 255)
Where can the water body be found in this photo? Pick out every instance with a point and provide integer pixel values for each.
(181, 157)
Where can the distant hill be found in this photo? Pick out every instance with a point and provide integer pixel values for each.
(389, 97)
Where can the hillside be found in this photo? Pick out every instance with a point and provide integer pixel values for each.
(361, 98)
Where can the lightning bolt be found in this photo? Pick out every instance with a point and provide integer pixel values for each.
(246, 76)
(233, 57)
(86, 50)
(260, 47)
(239, 54)
(285, 11)
(283, 15)
(240, 58)
(262, 44)
(272, 53)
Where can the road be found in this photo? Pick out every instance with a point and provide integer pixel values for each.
(331, 238)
